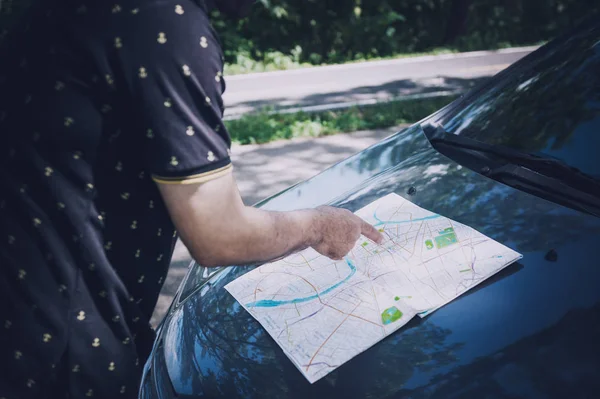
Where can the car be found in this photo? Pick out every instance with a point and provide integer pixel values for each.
(518, 159)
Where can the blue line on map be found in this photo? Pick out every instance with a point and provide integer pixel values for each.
(269, 303)
(381, 222)
(376, 218)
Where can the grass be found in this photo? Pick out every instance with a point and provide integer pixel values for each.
(264, 126)
(277, 61)
(271, 61)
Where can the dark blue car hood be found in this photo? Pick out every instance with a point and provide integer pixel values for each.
(532, 330)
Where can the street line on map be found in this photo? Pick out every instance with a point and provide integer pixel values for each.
(330, 335)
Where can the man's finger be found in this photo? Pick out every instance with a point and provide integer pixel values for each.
(371, 232)
(334, 256)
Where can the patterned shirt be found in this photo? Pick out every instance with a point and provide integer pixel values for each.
(98, 102)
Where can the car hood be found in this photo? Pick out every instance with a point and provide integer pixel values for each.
(532, 328)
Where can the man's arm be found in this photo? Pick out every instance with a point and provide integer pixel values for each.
(219, 230)
(177, 93)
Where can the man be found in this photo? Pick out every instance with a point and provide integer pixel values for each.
(111, 140)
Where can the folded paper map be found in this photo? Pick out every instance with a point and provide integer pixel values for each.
(322, 312)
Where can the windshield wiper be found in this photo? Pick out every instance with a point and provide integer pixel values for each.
(545, 177)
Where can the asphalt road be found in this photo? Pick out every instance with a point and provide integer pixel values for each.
(358, 82)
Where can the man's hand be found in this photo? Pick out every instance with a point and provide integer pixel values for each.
(219, 230)
(338, 230)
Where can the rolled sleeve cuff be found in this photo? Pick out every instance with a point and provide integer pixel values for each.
(217, 169)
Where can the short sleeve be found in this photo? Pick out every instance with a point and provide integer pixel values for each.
(171, 63)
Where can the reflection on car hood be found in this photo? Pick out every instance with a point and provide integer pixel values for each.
(523, 332)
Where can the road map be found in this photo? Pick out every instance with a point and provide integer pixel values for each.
(322, 312)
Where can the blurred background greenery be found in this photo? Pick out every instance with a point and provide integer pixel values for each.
(288, 34)
(284, 34)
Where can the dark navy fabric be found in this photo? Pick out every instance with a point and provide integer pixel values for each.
(98, 101)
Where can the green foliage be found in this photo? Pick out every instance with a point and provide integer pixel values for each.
(283, 34)
(271, 61)
(265, 126)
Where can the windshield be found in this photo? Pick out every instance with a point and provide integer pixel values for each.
(548, 104)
